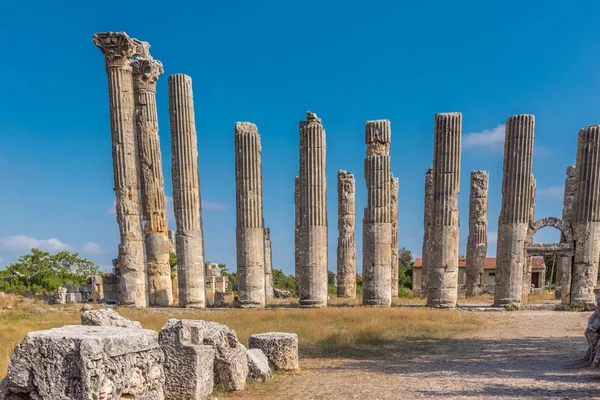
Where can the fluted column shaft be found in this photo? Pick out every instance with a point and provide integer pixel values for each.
(118, 48)
(394, 208)
(377, 219)
(313, 199)
(427, 224)
(298, 242)
(564, 265)
(586, 217)
(146, 71)
(346, 249)
(250, 233)
(268, 265)
(442, 272)
(515, 211)
(477, 241)
(186, 193)
(528, 268)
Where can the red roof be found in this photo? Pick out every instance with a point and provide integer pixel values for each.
(489, 263)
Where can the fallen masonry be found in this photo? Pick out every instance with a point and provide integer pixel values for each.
(592, 334)
(107, 317)
(280, 348)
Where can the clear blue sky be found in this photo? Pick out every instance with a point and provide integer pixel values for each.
(268, 62)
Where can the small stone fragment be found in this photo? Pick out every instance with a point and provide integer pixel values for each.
(107, 317)
(281, 349)
(219, 299)
(258, 366)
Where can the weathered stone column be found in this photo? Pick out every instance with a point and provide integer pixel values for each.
(297, 234)
(586, 217)
(146, 71)
(564, 265)
(528, 267)
(427, 224)
(118, 48)
(186, 193)
(377, 220)
(250, 232)
(313, 204)
(442, 289)
(477, 241)
(515, 212)
(395, 267)
(346, 249)
(268, 264)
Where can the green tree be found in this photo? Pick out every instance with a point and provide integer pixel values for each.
(405, 268)
(550, 263)
(283, 281)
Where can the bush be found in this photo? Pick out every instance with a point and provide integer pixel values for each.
(283, 281)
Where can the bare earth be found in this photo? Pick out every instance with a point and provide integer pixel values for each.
(516, 355)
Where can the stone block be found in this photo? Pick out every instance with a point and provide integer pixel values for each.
(107, 317)
(78, 298)
(189, 364)
(281, 349)
(72, 288)
(70, 298)
(86, 362)
(212, 269)
(86, 288)
(258, 366)
(219, 299)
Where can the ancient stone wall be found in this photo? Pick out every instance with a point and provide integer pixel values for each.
(477, 241)
(377, 220)
(250, 233)
(442, 271)
(516, 210)
(346, 249)
(118, 48)
(313, 211)
(186, 193)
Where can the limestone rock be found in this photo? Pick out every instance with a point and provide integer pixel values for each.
(282, 294)
(258, 366)
(281, 349)
(212, 269)
(189, 364)
(86, 362)
(107, 317)
(219, 299)
(592, 334)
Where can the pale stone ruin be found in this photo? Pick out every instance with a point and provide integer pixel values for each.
(250, 233)
(477, 241)
(186, 193)
(427, 224)
(442, 272)
(564, 264)
(377, 219)
(111, 357)
(268, 266)
(394, 214)
(311, 250)
(346, 248)
(215, 282)
(91, 291)
(592, 334)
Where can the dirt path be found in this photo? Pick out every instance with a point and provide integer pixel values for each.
(517, 355)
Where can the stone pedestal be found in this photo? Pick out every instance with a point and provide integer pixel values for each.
(281, 349)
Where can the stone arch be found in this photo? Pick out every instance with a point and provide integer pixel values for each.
(560, 224)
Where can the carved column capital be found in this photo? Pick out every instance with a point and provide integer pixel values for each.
(146, 71)
(117, 47)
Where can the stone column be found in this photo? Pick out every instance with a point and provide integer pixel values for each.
(297, 234)
(586, 217)
(313, 205)
(394, 194)
(477, 241)
(118, 48)
(186, 193)
(515, 211)
(528, 268)
(346, 249)
(268, 265)
(427, 224)
(565, 264)
(377, 220)
(146, 71)
(442, 289)
(250, 233)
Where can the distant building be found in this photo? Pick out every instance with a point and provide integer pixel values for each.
(538, 275)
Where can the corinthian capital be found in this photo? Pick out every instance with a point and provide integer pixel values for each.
(146, 71)
(117, 47)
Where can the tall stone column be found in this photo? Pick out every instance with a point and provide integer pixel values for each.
(564, 264)
(427, 224)
(298, 249)
(377, 220)
(250, 232)
(346, 249)
(477, 241)
(395, 267)
(146, 71)
(186, 193)
(528, 268)
(442, 272)
(586, 217)
(118, 48)
(515, 212)
(268, 265)
(313, 204)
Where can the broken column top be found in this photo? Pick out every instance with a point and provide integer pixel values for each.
(345, 174)
(312, 117)
(378, 132)
(245, 128)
